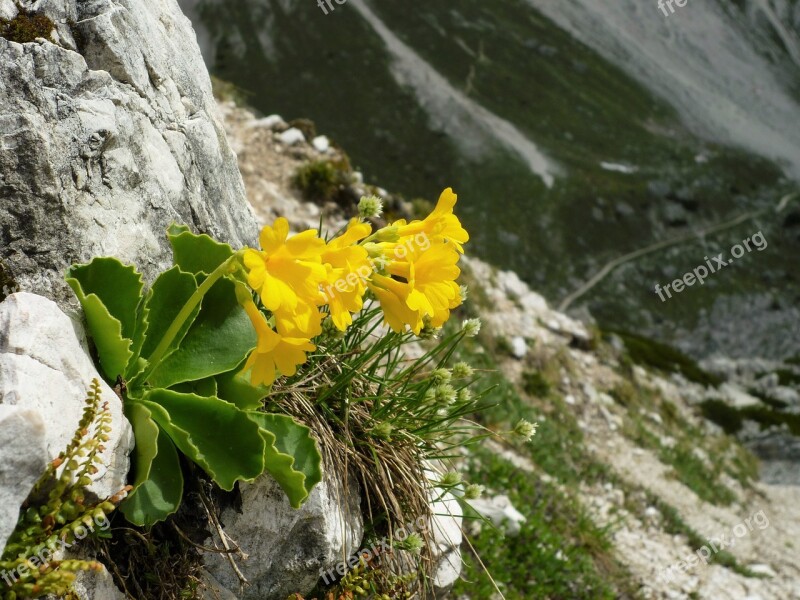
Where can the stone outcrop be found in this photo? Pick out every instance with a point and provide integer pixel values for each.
(288, 549)
(45, 372)
(109, 134)
(22, 461)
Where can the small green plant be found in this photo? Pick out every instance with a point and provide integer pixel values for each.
(665, 358)
(534, 384)
(57, 513)
(175, 354)
(321, 181)
(179, 353)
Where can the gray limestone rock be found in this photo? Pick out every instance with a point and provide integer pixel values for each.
(108, 134)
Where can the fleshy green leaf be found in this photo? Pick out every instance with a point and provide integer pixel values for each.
(119, 288)
(201, 387)
(136, 364)
(166, 298)
(218, 341)
(219, 437)
(109, 293)
(236, 388)
(158, 487)
(291, 456)
(196, 253)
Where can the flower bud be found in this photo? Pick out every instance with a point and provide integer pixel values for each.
(449, 479)
(370, 207)
(471, 327)
(462, 370)
(388, 234)
(445, 394)
(525, 429)
(473, 491)
(441, 376)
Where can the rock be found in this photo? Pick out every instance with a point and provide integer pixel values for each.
(45, 369)
(106, 140)
(735, 396)
(321, 143)
(292, 136)
(274, 122)
(500, 512)
(211, 589)
(761, 569)
(288, 549)
(446, 534)
(96, 585)
(448, 570)
(23, 459)
(519, 347)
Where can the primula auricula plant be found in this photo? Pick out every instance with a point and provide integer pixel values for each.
(194, 356)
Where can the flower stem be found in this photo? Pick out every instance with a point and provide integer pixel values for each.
(163, 346)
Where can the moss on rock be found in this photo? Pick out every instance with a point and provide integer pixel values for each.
(26, 27)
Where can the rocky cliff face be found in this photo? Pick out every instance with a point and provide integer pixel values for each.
(108, 135)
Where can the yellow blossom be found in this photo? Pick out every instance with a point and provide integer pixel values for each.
(286, 272)
(305, 321)
(440, 225)
(392, 295)
(420, 288)
(275, 354)
(431, 275)
(348, 267)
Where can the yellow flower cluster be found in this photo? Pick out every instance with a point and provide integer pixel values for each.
(411, 268)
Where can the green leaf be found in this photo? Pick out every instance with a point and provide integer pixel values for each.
(291, 456)
(109, 293)
(220, 339)
(201, 387)
(119, 288)
(158, 487)
(196, 253)
(219, 437)
(236, 388)
(166, 298)
(136, 364)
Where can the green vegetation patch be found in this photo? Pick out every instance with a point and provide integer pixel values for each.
(322, 181)
(689, 468)
(732, 419)
(534, 384)
(558, 553)
(665, 358)
(26, 27)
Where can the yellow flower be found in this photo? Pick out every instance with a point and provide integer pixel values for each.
(275, 354)
(440, 225)
(348, 267)
(431, 277)
(393, 295)
(305, 321)
(421, 286)
(286, 272)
